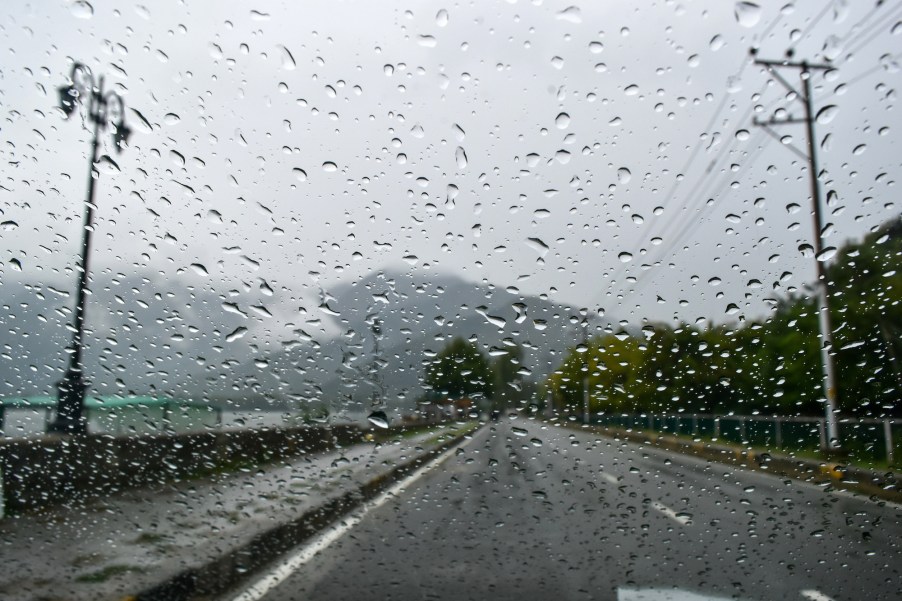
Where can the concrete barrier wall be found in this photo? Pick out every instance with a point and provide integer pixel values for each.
(57, 469)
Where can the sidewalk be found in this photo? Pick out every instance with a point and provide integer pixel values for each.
(133, 540)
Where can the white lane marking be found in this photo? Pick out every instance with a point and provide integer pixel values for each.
(282, 571)
(842, 492)
(683, 520)
(610, 478)
(813, 595)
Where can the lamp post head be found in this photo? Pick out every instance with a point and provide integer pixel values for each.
(121, 135)
(68, 98)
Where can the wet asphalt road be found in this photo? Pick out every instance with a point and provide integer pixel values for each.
(527, 511)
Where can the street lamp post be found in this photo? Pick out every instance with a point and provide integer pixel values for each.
(103, 109)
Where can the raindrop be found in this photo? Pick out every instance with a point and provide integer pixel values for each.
(631, 90)
(378, 419)
(300, 174)
(288, 62)
(806, 250)
(427, 41)
(330, 167)
(537, 245)
(625, 257)
(596, 47)
(171, 119)
(747, 14)
(199, 269)
(624, 175)
(460, 156)
(557, 62)
(742, 135)
(81, 9)
(411, 259)
(388, 69)
(441, 18)
(858, 150)
(236, 334)
(571, 14)
(562, 156)
(716, 43)
(417, 131)
(562, 120)
(826, 114)
(826, 254)
(8, 225)
(715, 281)
(15, 264)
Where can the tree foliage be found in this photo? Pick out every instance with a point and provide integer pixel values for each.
(460, 370)
(771, 365)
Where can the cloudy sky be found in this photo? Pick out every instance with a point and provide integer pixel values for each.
(602, 154)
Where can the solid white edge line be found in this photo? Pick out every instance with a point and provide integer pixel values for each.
(673, 515)
(814, 595)
(282, 571)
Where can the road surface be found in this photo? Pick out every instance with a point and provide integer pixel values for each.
(529, 511)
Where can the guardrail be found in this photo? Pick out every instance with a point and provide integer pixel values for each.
(872, 439)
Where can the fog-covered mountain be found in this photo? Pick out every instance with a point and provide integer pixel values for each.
(171, 336)
(414, 315)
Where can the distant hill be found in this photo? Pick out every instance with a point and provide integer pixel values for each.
(169, 336)
(418, 313)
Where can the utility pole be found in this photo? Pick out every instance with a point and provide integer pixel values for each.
(103, 110)
(823, 285)
(585, 325)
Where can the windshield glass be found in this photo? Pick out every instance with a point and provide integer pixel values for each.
(532, 299)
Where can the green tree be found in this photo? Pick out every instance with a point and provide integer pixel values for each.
(460, 370)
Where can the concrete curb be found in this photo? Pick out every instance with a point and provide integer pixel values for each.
(880, 485)
(218, 576)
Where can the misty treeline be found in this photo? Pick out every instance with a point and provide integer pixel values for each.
(771, 365)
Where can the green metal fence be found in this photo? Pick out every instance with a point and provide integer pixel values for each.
(29, 416)
(867, 439)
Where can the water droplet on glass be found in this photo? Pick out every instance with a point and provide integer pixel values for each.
(716, 43)
(625, 257)
(81, 9)
(300, 174)
(826, 254)
(288, 62)
(742, 135)
(624, 175)
(441, 18)
(747, 14)
(330, 167)
(562, 120)
(171, 119)
(378, 419)
(427, 41)
(8, 225)
(236, 334)
(826, 114)
(199, 269)
(596, 47)
(460, 156)
(571, 14)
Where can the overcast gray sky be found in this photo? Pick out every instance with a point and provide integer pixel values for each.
(526, 143)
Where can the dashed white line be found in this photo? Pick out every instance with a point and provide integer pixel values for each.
(680, 518)
(610, 478)
(813, 595)
(283, 570)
